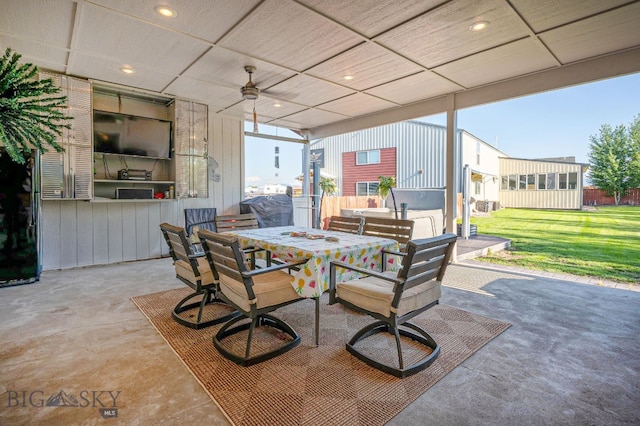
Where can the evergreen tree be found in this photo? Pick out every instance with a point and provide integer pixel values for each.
(30, 117)
(615, 159)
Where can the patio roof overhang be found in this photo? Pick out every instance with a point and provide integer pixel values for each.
(405, 59)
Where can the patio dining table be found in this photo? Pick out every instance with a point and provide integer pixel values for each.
(289, 243)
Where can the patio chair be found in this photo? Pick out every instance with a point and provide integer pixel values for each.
(196, 219)
(194, 271)
(395, 298)
(203, 218)
(240, 222)
(254, 293)
(400, 230)
(352, 225)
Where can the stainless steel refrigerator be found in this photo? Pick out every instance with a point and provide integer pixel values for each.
(19, 211)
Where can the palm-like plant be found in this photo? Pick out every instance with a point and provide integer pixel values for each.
(29, 117)
(386, 185)
(328, 186)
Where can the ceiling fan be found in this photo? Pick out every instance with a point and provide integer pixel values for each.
(250, 91)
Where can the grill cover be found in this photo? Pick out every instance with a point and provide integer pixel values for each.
(270, 210)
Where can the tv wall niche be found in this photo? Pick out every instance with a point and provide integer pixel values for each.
(131, 135)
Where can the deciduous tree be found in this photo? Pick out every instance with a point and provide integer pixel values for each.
(615, 159)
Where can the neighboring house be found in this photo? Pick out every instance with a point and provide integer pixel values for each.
(415, 153)
(542, 183)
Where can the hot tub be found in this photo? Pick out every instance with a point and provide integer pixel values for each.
(428, 223)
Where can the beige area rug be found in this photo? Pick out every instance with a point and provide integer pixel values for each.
(312, 385)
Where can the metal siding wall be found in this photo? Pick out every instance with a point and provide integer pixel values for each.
(410, 156)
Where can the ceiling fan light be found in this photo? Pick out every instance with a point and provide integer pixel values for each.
(250, 92)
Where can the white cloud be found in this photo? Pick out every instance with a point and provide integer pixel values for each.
(253, 179)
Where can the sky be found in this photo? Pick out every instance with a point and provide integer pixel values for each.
(551, 124)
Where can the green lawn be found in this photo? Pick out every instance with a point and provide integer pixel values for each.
(603, 244)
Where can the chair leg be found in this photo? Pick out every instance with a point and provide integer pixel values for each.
(317, 327)
(208, 297)
(416, 333)
(230, 328)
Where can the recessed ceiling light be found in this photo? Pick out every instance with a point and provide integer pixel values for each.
(127, 70)
(479, 25)
(348, 77)
(166, 11)
(277, 104)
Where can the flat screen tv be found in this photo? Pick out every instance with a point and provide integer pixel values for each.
(126, 134)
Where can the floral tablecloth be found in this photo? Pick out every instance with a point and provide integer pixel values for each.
(313, 277)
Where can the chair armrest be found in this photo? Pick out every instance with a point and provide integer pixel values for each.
(395, 252)
(368, 272)
(255, 272)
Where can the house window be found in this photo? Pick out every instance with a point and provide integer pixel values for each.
(531, 182)
(551, 181)
(562, 181)
(478, 153)
(368, 157)
(504, 183)
(573, 180)
(522, 182)
(542, 181)
(478, 188)
(513, 179)
(367, 188)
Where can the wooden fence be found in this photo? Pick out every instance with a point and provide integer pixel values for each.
(331, 205)
(597, 197)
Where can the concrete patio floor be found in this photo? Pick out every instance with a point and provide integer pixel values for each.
(572, 355)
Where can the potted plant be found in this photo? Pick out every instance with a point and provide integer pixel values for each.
(30, 117)
(328, 186)
(385, 187)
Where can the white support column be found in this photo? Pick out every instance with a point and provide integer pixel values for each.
(451, 169)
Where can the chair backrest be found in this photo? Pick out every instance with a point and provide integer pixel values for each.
(236, 221)
(176, 238)
(400, 230)
(426, 259)
(203, 218)
(226, 258)
(352, 225)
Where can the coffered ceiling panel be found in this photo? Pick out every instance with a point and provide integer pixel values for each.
(225, 67)
(314, 117)
(517, 58)
(109, 70)
(404, 55)
(291, 36)
(265, 107)
(444, 34)
(219, 97)
(367, 64)
(42, 55)
(595, 36)
(309, 91)
(414, 88)
(358, 104)
(205, 19)
(113, 35)
(544, 15)
(48, 22)
(372, 17)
